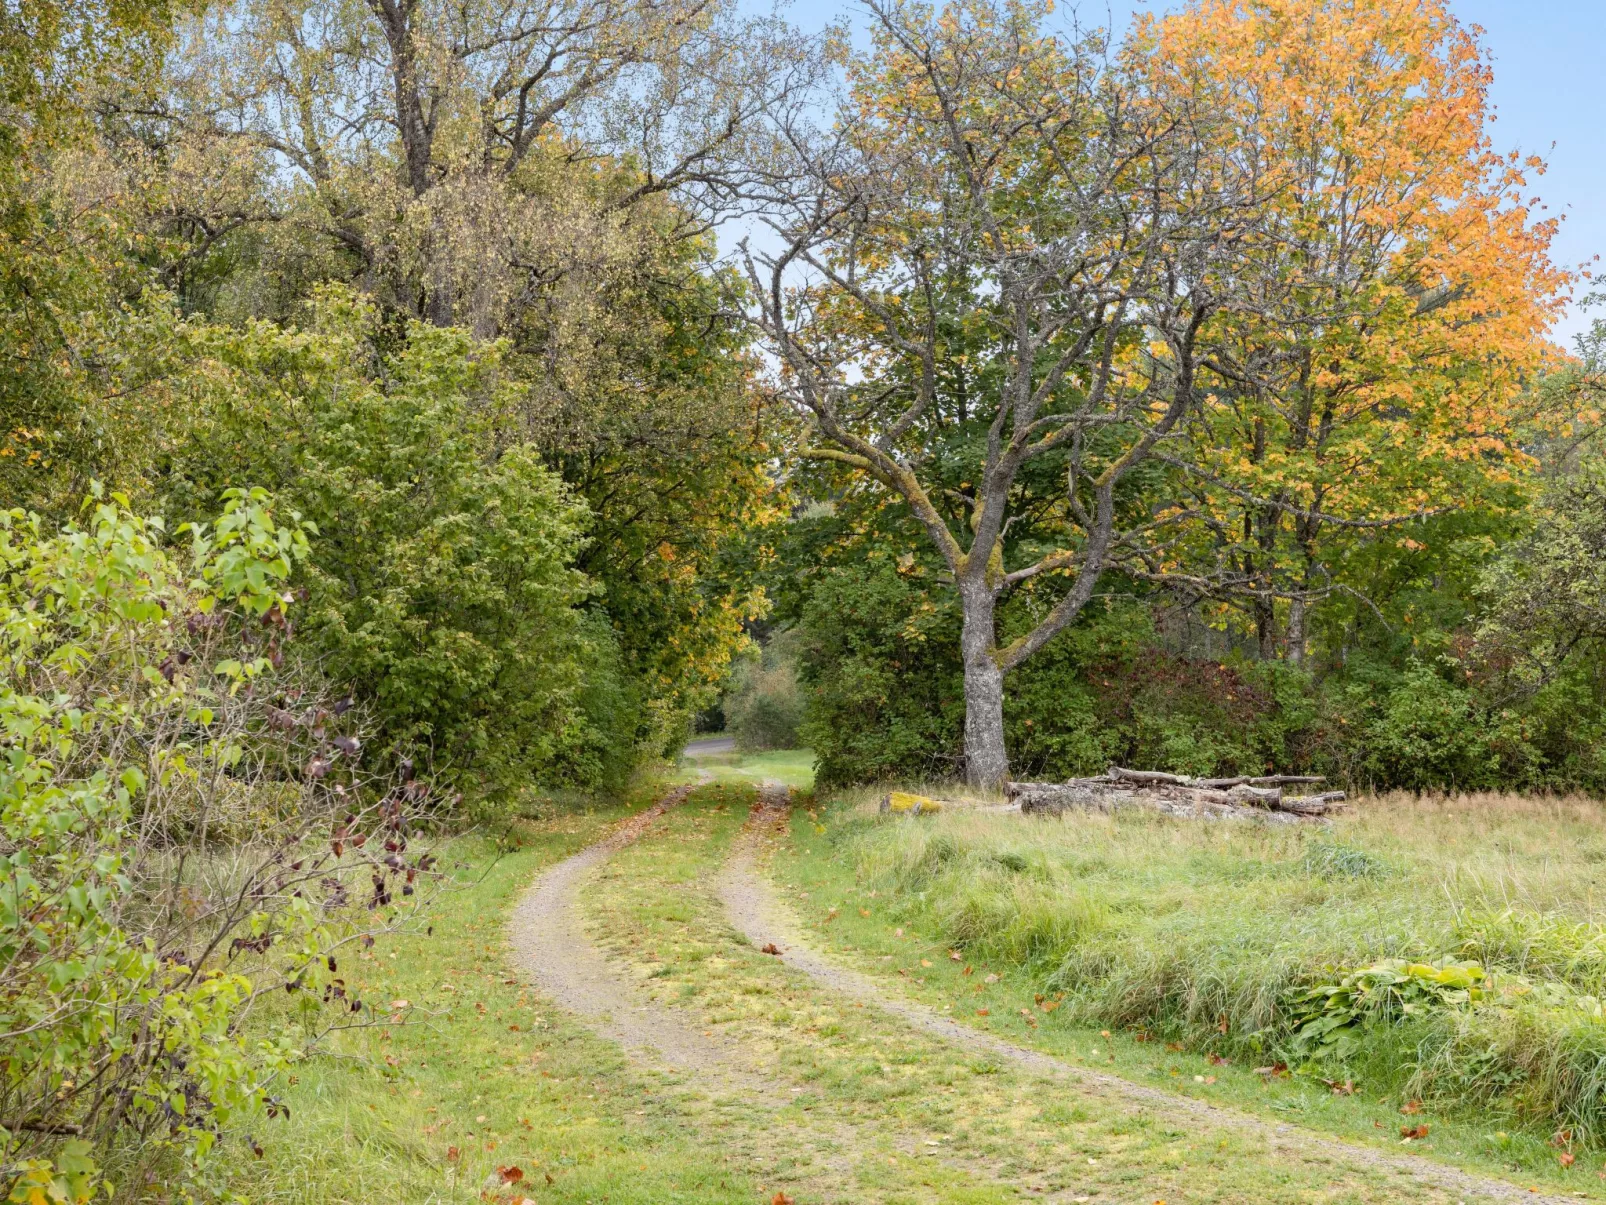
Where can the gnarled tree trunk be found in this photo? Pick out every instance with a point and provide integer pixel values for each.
(986, 760)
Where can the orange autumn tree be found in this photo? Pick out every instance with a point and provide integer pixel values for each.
(1399, 293)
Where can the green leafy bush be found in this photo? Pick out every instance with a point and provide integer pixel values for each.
(443, 587)
(883, 694)
(144, 727)
(879, 661)
(1332, 1019)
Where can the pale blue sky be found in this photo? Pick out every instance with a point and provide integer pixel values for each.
(1549, 87)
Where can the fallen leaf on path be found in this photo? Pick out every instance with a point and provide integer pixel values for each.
(771, 948)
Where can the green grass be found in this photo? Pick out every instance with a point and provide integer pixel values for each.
(1195, 936)
(794, 767)
(1005, 1134)
(507, 1080)
(495, 1073)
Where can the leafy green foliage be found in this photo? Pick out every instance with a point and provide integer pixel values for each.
(883, 688)
(129, 715)
(1330, 1019)
(442, 584)
(879, 660)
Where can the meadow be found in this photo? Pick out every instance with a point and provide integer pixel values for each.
(1441, 953)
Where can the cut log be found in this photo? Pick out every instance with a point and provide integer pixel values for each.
(1267, 780)
(1013, 790)
(1149, 777)
(1053, 800)
(1176, 795)
(1260, 797)
(1314, 805)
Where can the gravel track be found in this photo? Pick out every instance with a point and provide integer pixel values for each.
(551, 947)
(550, 942)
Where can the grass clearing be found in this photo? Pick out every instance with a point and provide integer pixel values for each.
(794, 767)
(979, 1132)
(1167, 946)
(426, 1112)
(864, 1102)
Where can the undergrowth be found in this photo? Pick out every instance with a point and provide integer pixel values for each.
(1449, 950)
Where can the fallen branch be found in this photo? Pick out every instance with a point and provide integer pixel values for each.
(35, 1125)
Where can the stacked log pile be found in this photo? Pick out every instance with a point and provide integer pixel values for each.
(1261, 798)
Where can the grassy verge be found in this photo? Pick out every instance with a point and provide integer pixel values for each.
(1167, 951)
(794, 767)
(928, 1121)
(427, 1112)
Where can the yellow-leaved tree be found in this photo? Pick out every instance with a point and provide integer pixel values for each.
(1400, 290)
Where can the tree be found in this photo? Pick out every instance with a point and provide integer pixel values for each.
(71, 304)
(999, 262)
(543, 173)
(1398, 291)
(1251, 287)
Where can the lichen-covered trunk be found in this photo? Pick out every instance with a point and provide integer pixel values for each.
(986, 761)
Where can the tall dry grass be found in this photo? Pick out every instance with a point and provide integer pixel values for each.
(1211, 932)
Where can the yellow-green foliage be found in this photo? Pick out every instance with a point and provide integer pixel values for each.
(140, 725)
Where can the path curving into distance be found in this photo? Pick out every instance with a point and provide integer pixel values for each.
(551, 947)
(757, 912)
